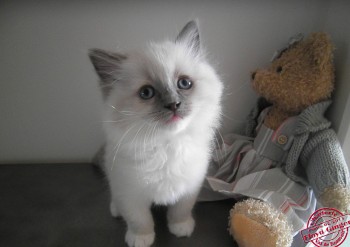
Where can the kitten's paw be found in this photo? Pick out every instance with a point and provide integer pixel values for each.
(114, 210)
(139, 240)
(182, 229)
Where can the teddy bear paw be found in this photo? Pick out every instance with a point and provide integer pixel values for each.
(255, 223)
(336, 197)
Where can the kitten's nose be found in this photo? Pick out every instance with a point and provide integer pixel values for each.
(173, 106)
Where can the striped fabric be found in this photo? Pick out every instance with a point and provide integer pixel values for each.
(245, 167)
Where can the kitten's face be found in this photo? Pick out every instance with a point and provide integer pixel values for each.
(169, 85)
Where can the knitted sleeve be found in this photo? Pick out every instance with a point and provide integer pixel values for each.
(252, 118)
(324, 162)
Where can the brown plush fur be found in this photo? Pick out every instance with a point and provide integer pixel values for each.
(303, 75)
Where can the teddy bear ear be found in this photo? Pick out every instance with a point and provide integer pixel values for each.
(321, 49)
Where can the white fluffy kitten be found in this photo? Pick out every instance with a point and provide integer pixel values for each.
(162, 107)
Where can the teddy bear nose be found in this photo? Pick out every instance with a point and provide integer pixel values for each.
(253, 75)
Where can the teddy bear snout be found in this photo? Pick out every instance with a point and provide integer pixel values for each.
(253, 75)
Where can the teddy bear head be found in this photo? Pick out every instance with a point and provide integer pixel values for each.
(302, 75)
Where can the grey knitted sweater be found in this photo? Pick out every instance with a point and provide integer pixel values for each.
(315, 157)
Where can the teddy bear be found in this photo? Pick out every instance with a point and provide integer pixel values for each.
(289, 158)
(298, 85)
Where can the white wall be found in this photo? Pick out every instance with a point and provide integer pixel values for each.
(49, 99)
(337, 25)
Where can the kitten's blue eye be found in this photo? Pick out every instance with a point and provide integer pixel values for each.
(146, 92)
(184, 83)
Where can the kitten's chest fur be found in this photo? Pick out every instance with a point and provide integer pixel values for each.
(166, 169)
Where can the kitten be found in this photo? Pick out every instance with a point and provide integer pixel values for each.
(162, 106)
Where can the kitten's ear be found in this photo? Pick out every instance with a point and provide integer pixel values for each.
(106, 65)
(189, 35)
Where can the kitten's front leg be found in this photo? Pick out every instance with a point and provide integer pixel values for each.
(138, 217)
(180, 220)
(113, 209)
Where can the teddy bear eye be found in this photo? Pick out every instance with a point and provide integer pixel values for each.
(279, 69)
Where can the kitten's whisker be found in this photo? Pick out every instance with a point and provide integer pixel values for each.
(109, 84)
(122, 121)
(138, 131)
(135, 138)
(144, 144)
(124, 111)
(141, 146)
(153, 135)
(216, 152)
(119, 144)
(130, 113)
(222, 148)
(115, 121)
(221, 138)
(217, 147)
(137, 150)
(238, 89)
(113, 107)
(231, 119)
(147, 134)
(242, 86)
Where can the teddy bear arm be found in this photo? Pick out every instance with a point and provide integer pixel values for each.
(326, 169)
(252, 118)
